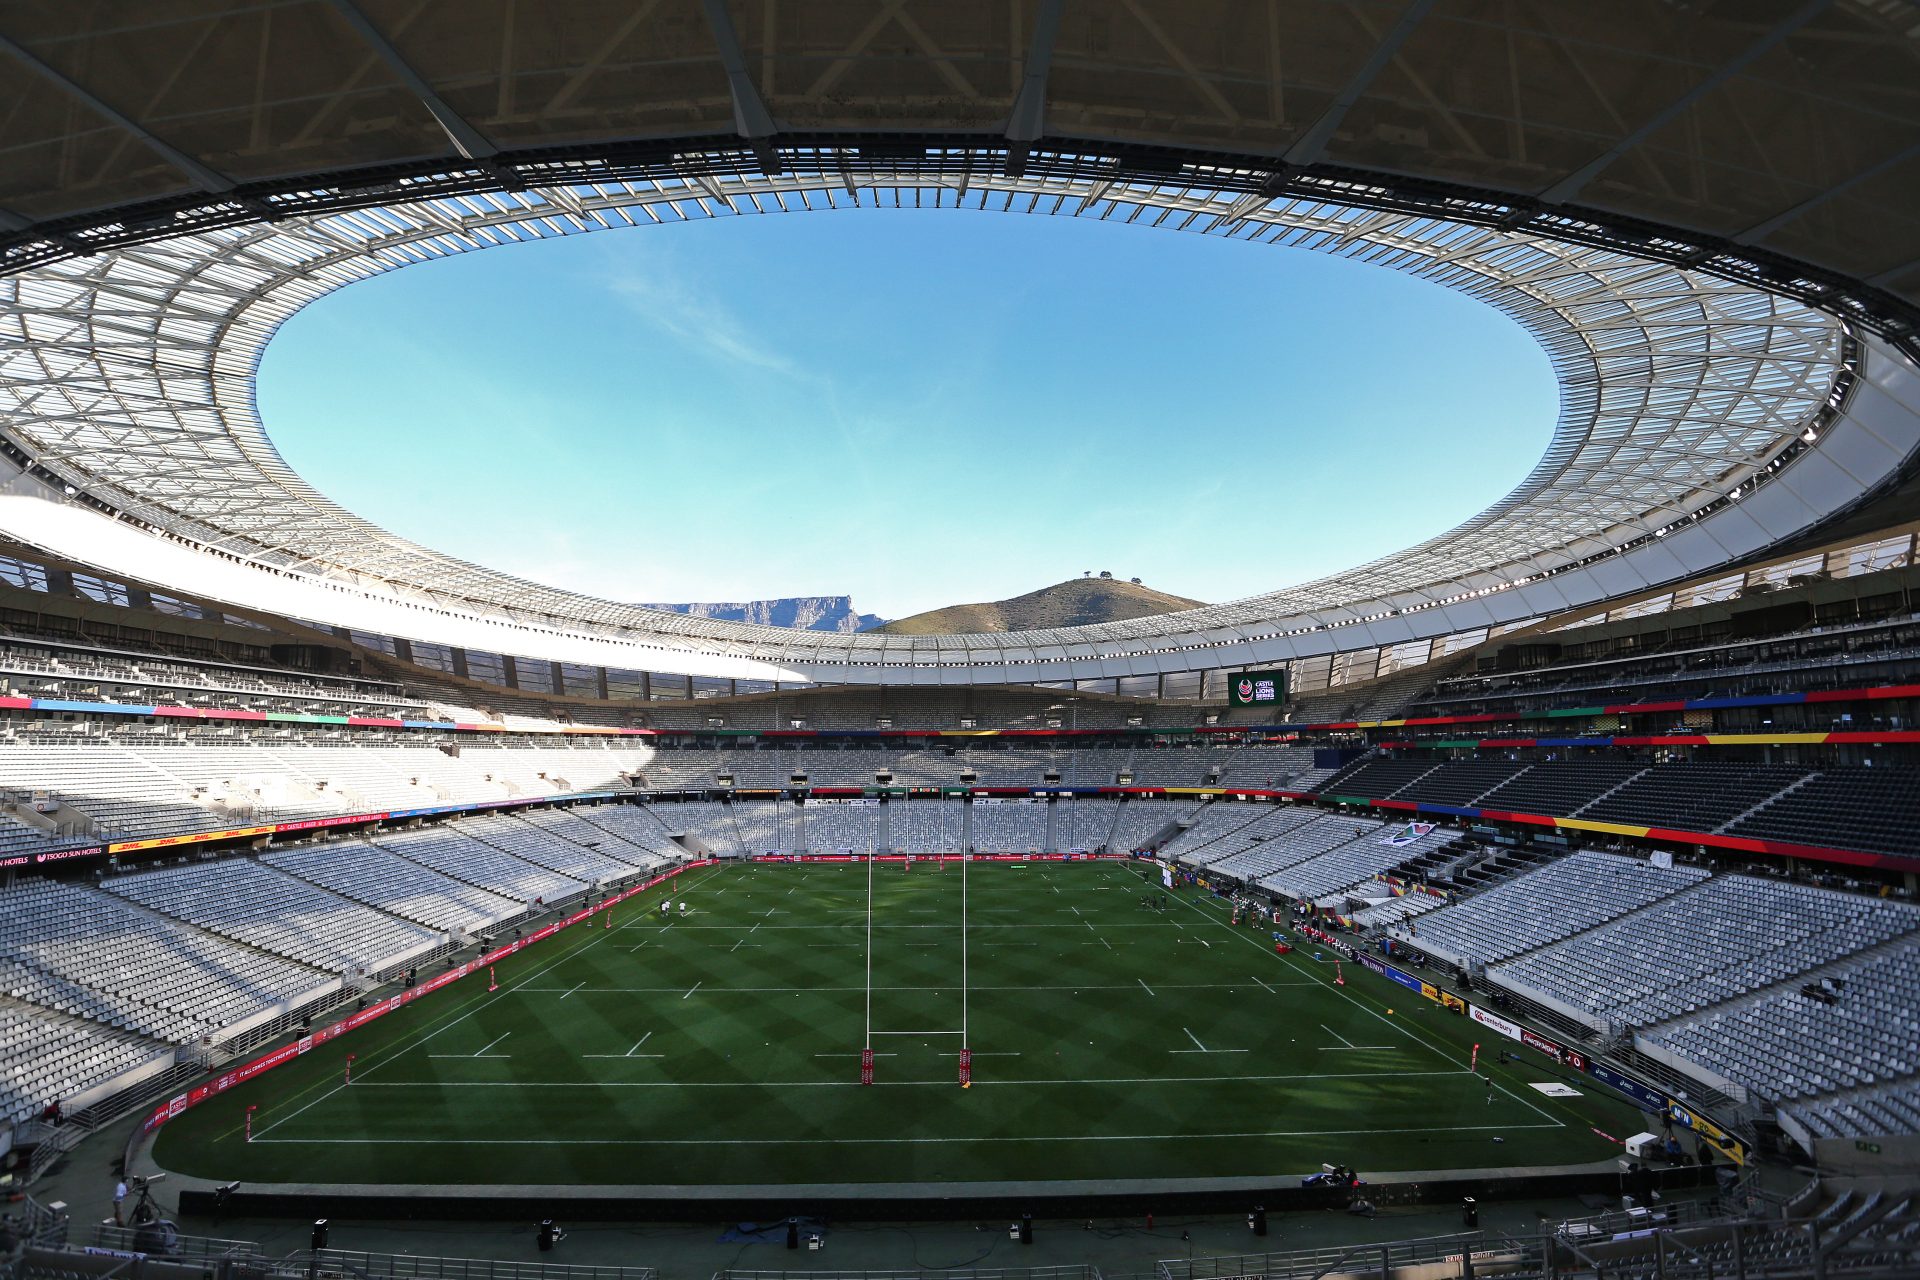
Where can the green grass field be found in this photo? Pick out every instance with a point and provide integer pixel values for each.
(724, 1048)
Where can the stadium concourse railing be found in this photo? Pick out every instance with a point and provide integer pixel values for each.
(215, 1258)
(1435, 1256)
(352, 1263)
(1612, 1249)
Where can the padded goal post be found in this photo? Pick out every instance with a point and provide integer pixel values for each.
(866, 1066)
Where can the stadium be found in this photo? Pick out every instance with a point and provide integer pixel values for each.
(1536, 900)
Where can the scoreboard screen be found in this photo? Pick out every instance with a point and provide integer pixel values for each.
(1257, 688)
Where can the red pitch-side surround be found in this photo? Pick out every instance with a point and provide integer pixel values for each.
(286, 1053)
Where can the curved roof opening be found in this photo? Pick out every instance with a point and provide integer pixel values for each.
(777, 406)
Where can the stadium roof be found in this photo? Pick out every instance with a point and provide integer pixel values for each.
(1705, 214)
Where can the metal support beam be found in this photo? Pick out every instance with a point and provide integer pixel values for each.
(1571, 185)
(1313, 143)
(751, 119)
(466, 139)
(1029, 117)
(205, 178)
(1028, 120)
(1761, 230)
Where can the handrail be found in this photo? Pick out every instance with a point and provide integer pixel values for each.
(404, 1266)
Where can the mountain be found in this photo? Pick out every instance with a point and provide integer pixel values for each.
(804, 613)
(1072, 603)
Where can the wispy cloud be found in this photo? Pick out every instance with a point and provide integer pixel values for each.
(659, 294)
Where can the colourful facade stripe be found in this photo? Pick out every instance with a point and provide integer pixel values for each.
(1856, 737)
(1873, 693)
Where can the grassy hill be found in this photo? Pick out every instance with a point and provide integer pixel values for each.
(1072, 603)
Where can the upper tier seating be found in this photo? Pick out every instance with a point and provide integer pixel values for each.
(164, 789)
(1719, 940)
(367, 873)
(1541, 907)
(1376, 777)
(119, 790)
(1273, 767)
(1459, 782)
(1697, 796)
(16, 837)
(1876, 809)
(130, 676)
(1188, 766)
(255, 904)
(1559, 786)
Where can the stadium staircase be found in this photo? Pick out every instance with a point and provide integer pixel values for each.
(1619, 786)
(1773, 799)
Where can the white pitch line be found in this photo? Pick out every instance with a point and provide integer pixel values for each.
(695, 987)
(1336, 1035)
(1196, 1040)
(447, 1026)
(1410, 1034)
(576, 987)
(811, 1141)
(1256, 979)
(631, 1053)
(812, 1084)
(1149, 990)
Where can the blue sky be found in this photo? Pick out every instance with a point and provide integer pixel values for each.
(918, 408)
